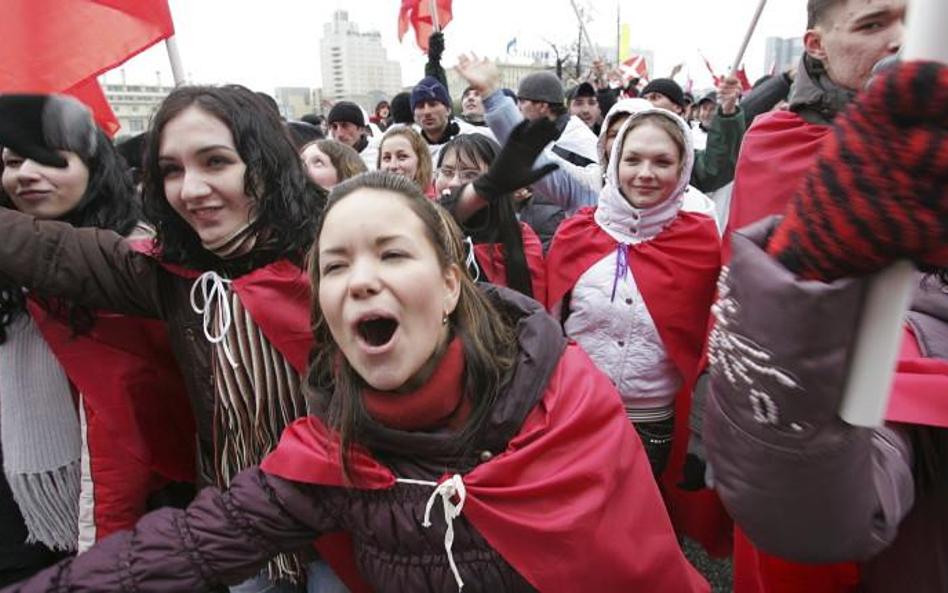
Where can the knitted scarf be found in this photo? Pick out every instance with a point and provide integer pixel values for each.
(257, 390)
(40, 435)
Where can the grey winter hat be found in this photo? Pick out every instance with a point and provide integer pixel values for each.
(542, 86)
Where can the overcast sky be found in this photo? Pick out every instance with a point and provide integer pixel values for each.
(264, 44)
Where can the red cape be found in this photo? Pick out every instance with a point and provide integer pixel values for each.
(676, 273)
(573, 484)
(490, 258)
(776, 153)
(128, 376)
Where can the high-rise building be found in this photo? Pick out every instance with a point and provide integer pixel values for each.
(782, 53)
(355, 65)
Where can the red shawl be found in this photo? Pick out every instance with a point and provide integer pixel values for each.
(776, 153)
(676, 273)
(127, 374)
(574, 484)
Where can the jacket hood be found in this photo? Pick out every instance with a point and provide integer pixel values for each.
(621, 107)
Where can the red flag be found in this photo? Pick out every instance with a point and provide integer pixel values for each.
(707, 64)
(57, 46)
(741, 75)
(417, 13)
(634, 67)
(89, 91)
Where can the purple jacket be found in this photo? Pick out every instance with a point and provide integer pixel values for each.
(802, 484)
(226, 537)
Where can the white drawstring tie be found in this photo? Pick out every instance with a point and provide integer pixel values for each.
(471, 261)
(448, 489)
(214, 289)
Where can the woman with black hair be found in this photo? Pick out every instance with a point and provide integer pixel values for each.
(505, 251)
(77, 478)
(234, 215)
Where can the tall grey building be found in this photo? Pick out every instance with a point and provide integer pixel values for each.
(782, 53)
(355, 65)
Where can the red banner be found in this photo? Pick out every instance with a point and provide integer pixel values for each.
(60, 46)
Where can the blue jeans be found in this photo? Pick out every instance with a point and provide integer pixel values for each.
(319, 577)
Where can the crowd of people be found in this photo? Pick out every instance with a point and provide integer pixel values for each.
(531, 345)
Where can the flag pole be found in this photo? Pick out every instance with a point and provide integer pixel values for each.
(747, 37)
(434, 16)
(879, 336)
(583, 31)
(174, 56)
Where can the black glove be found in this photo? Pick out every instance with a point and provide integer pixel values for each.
(36, 126)
(513, 167)
(436, 46)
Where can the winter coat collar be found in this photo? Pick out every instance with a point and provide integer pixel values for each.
(815, 97)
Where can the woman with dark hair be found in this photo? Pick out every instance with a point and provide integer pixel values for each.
(431, 392)
(234, 216)
(506, 251)
(76, 478)
(328, 162)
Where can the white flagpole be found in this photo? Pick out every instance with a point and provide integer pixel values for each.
(585, 33)
(174, 56)
(434, 16)
(747, 37)
(889, 295)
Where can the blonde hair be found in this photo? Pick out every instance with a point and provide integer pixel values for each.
(424, 173)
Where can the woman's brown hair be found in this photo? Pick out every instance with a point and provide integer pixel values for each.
(345, 160)
(487, 336)
(425, 173)
(664, 123)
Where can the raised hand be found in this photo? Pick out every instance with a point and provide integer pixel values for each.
(513, 169)
(480, 73)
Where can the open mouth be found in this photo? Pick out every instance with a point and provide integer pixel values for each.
(377, 331)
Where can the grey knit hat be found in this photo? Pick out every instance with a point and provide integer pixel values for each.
(542, 86)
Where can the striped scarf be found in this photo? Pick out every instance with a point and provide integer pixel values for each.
(257, 390)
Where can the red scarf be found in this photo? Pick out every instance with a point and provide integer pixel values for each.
(439, 402)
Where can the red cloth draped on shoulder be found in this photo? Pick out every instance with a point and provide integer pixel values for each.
(529, 497)
(286, 326)
(776, 153)
(490, 258)
(676, 273)
(128, 376)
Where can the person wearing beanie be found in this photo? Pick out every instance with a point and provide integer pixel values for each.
(666, 94)
(347, 125)
(584, 105)
(431, 106)
(541, 95)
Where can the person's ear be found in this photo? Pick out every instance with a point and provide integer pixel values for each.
(452, 285)
(813, 43)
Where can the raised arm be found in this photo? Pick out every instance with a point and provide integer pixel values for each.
(221, 538)
(93, 267)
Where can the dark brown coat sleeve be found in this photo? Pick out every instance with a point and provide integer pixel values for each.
(92, 267)
(223, 537)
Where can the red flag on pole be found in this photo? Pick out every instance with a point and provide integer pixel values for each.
(417, 13)
(707, 64)
(89, 92)
(58, 46)
(741, 75)
(634, 67)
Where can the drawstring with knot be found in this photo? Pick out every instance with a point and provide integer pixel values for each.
(448, 489)
(622, 267)
(214, 289)
(470, 261)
